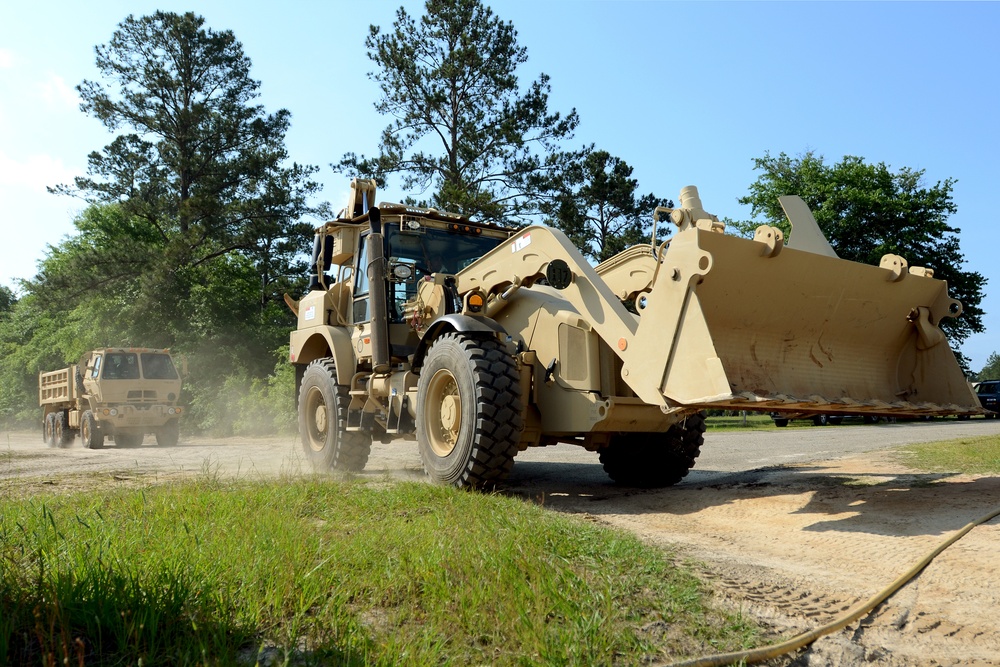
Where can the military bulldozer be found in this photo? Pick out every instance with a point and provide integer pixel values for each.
(479, 341)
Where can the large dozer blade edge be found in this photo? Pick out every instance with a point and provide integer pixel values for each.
(739, 326)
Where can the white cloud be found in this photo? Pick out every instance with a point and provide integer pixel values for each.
(56, 92)
(34, 173)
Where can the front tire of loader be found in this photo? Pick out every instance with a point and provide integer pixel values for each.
(652, 460)
(90, 431)
(468, 411)
(322, 421)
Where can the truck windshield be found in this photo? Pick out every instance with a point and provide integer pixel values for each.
(121, 366)
(158, 366)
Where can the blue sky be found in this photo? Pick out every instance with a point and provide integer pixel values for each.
(686, 93)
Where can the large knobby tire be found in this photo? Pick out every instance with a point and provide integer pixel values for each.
(90, 431)
(128, 440)
(469, 411)
(651, 460)
(168, 434)
(63, 433)
(821, 420)
(49, 429)
(323, 420)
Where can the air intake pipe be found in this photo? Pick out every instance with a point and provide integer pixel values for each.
(377, 292)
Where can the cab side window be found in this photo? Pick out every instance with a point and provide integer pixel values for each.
(361, 284)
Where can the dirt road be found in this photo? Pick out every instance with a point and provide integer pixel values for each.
(791, 526)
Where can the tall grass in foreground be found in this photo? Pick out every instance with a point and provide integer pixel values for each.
(335, 573)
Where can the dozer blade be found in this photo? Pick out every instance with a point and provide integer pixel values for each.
(751, 326)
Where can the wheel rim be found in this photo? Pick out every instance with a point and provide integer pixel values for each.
(318, 418)
(444, 421)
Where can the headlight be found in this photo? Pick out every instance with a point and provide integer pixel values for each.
(402, 271)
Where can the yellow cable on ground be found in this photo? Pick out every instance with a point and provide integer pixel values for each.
(766, 653)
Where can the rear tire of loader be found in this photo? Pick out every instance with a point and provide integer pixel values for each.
(651, 460)
(90, 432)
(469, 411)
(322, 421)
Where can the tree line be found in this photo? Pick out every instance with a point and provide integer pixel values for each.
(197, 220)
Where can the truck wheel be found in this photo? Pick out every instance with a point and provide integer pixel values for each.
(128, 440)
(821, 420)
(90, 431)
(650, 460)
(63, 434)
(168, 434)
(468, 411)
(323, 418)
(49, 429)
(780, 422)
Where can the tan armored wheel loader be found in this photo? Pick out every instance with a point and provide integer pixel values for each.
(120, 393)
(480, 341)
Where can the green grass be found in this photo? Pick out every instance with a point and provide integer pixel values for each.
(753, 421)
(977, 455)
(321, 572)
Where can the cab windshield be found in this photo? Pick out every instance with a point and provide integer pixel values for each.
(437, 250)
(426, 251)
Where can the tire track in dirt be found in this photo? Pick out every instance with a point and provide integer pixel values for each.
(797, 546)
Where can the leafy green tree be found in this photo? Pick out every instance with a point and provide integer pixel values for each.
(463, 129)
(866, 211)
(597, 206)
(193, 225)
(198, 169)
(7, 299)
(991, 371)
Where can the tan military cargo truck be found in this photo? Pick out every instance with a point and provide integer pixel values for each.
(119, 393)
(478, 341)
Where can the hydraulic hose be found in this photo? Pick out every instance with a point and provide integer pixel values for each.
(806, 638)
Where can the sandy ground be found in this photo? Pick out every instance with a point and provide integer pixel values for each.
(792, 544)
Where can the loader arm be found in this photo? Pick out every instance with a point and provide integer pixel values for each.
(736, 323)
